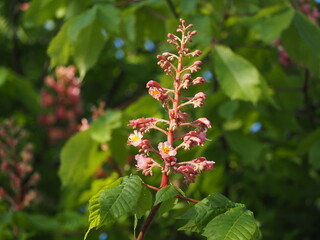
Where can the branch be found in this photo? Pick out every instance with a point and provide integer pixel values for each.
(177, 196)
(188, 199)
(148, 221)
(306, 86)
(152, 187)
(173, 9)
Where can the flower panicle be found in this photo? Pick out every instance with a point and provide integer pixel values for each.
(166, 152)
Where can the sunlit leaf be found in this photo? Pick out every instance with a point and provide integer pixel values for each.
(101, 129)
(201, 213)
(236, 224)
(79, 163)
(166, 193)
(239, 79)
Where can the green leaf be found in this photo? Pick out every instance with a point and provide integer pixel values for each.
(238, 78)
(301, 41)
(314, 155)
(269, 23)
(115, 202)
(60, 48)
(108, 16)
(145, 202)
(79, 22)
(88, 47)
(95, 218)
(83, 37)
(201, 213)
(101, 129)
(80, 157)
(97, 185)
(236, 224)
(166, 193)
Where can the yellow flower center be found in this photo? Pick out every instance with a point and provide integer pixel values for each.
(135, 138)
(165, 149)
(155, 92)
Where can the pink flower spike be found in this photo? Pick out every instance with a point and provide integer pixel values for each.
(135, 139)
(166, 150)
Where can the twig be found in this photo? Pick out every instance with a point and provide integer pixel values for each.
(152, 187)
(155, 13)
(177, 196)
(306, 86)
(173, 9)
(148, 221)
(188, 199)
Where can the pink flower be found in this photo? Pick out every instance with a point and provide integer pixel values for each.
(204, 122)
(193, 138)
(189, 172)
(159, 94)
(195, 66)
(152, 83)
(203, 164)
(135, 139)
(166, 150)
(198, 80)
(145, 164)
(145, 146)
(198, 99)
(143, 123)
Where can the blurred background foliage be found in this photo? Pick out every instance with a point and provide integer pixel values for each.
(261, 60)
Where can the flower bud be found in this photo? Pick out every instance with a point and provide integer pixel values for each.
(152, 83)
(193, 33)
(172, 36)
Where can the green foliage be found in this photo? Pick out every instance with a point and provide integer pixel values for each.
(304, 49)
(144, 203)
(270, 22)
(78, 165)
(83, 37)
(237, 223)
(101, 129)
(201, 213)
(239, 79)
(114, 200)
(216, 217)
(166, 193)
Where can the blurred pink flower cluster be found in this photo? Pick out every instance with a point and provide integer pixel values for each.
(181, 133)
(16, 156)
(61, 98)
